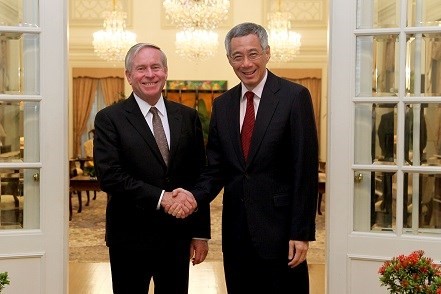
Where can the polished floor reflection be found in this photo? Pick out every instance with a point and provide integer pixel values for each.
(205, 278)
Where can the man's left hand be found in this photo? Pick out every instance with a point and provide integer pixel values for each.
(198, 251)
(297, 252)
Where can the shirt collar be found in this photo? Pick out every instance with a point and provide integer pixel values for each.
(145, 107)
(258, 89)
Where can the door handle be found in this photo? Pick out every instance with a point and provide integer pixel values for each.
(358, 177)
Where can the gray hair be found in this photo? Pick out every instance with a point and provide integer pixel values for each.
(133, 51)
(245, 29)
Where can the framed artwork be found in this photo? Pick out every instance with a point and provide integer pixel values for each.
(196, 94)
(196, 85)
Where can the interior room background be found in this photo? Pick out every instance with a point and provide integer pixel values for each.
(147, 20)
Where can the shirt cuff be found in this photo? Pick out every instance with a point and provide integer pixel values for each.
(158, 206)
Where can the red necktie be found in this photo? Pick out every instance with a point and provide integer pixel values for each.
(248, 124)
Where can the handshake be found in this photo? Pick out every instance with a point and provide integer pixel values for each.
(180, 203)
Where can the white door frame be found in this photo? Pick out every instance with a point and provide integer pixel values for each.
(355, 255)
(36, 256)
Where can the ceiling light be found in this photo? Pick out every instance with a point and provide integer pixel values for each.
(113, 42)
(196, 44)
(205, 14)
(284, 43)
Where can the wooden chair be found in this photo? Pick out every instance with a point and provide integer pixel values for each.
(11, 200)
(75, 170)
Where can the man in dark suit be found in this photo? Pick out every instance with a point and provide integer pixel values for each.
(145, 242)
(386, 139)
(270, 195)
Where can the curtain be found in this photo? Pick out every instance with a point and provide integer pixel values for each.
(314, 86)
(113, 89)
(84, 91)
(85, 85)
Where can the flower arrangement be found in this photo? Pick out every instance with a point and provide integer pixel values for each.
(89, 170)
(411, 274)
(4, 280)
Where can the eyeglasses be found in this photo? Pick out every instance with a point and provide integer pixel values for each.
(239, 58)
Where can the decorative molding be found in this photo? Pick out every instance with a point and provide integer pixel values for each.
(86, 13)
(167, 24)
(98, 73)
(305, 13)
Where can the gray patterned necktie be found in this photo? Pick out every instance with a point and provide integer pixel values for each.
(158, 132)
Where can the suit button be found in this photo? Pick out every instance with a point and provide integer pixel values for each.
(167, 180)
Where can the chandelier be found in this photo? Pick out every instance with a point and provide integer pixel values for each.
(205, 14)
(197, 20)
(113, 42)
(196, 44)
(284, 43)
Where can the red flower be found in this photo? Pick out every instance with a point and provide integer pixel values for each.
(413, 273)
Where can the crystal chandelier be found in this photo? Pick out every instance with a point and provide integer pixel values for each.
(196, 44)
(284, 43)
(204, 14)
(113, 42)
(197, 20)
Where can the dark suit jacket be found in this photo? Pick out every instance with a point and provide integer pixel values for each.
(386, 135)
(278, 183)
(131, 170)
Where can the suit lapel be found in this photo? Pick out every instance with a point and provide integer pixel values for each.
(233, 120)
(175, 124)
(267, 107)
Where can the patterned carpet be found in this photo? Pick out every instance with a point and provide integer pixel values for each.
(86, 233)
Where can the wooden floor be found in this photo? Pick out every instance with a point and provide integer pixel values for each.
(205, 278)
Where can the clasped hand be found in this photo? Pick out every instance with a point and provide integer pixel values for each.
(180, 203)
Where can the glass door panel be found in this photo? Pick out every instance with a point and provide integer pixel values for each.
(422, 209)
(375, 133)
(16, 119)
(423, 65)
(20, 113)
(19, 58)
(432, 118)
(378, 14)
(19, 199)
(13, 13)
(397, 118)
(377, 65)
(423, 13)
(375, 210)
(19, 140)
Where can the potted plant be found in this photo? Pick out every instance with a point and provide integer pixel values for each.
(4, 280)
(204, 116)
(411, 274)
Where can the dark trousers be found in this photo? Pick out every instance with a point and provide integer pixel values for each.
(246, 272)
(134, 266)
